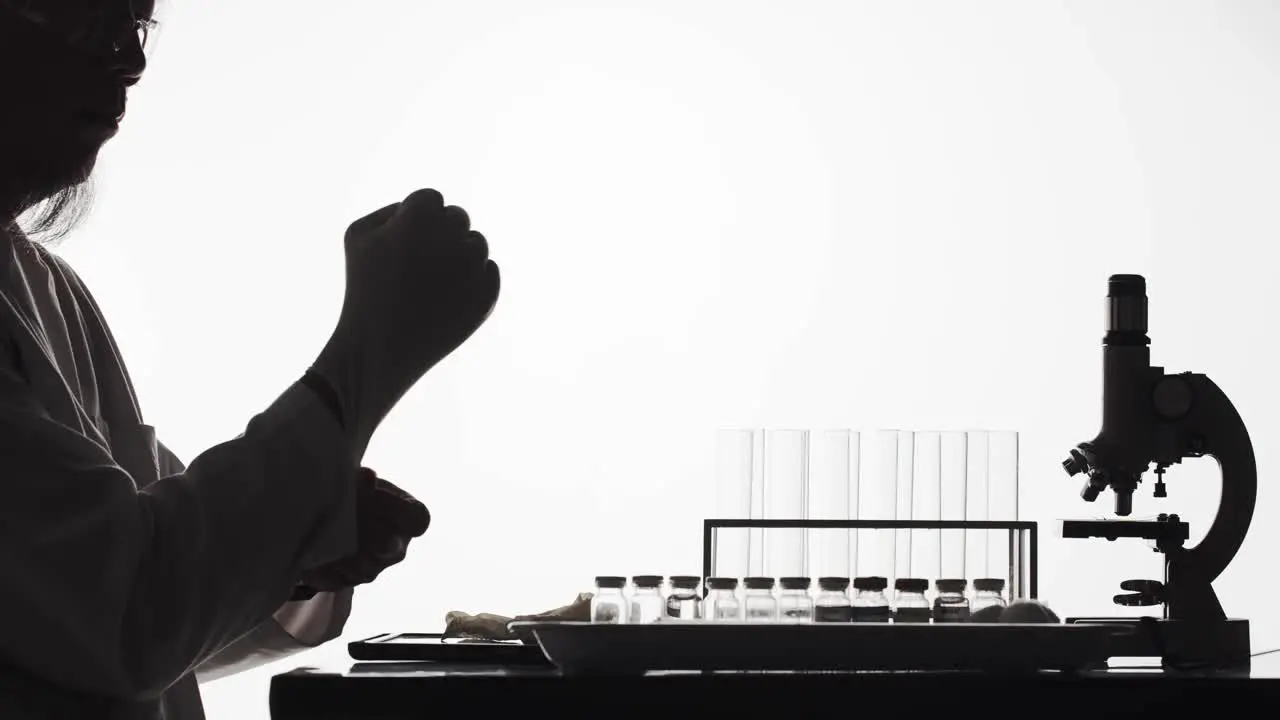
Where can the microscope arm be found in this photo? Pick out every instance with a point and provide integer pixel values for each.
(1202, 421)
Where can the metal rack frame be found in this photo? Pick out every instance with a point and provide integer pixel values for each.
(1016, 549)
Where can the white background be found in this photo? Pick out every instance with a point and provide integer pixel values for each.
(837, 214)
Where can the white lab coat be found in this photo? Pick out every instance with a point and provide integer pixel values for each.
(125, 577)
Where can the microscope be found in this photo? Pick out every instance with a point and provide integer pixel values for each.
(1150, 417)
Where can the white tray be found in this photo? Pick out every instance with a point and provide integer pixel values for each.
(596, 648)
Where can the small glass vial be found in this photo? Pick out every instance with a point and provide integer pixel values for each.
(758, 603)
(609, 605)
(911, 606)
(832, 604)
(951, 605)
(646, 599)
(870, 604)
(722, 600)
(683, 602)
(988, 592)
(794, 603)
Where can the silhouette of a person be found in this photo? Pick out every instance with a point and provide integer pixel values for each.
(129, 578)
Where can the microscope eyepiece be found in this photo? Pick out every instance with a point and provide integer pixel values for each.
(1127, 286)
(1127, 310)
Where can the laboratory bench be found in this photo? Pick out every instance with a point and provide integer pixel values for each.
(405, 691)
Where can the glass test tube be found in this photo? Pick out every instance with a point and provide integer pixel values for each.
(977, 555)
(786, 488)
(735, 484)
(926, 504)
(954, 477)
(1002, 504)
(904, 503)
(878, 500)
(833, 495)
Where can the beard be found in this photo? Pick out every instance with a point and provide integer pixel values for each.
(53, 200)
(44, 172)
(45, 180)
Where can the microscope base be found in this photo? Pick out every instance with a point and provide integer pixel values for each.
(1184, 644)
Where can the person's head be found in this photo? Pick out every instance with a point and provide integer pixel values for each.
(65, 69)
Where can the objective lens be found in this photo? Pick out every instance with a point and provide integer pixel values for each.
(1124, 502)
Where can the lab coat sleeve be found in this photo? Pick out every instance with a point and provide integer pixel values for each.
(118, 591)
(294, 627)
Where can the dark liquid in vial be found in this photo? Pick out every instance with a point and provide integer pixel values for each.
(913, 615)
(871, 614)
(676, 603)
(796, 615)
(833, 614)
(950, 613)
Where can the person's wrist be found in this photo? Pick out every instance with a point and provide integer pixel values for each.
(327, 394)
(346, 374)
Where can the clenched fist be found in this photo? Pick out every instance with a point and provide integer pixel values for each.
(419, 283)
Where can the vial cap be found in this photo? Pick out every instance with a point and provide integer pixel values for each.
(871, 583)
(611, 581)
(833, 583)
(911, 585)
(794, 583)
(722, 583)
(758, 583)
(952, 585)
(685, 582)
(989, 584)
(647, 581)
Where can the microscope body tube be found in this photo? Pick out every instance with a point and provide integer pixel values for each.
(1123, 447)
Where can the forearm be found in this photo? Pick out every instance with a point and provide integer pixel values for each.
(295, 627)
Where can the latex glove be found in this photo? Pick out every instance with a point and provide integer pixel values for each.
(387, 518)
(419, 284)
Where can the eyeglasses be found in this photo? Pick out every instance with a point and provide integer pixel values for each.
(101, 34)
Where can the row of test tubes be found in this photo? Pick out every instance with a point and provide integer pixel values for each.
(792, 600)
(893, 475)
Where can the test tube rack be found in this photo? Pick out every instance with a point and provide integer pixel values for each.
(1023, 541)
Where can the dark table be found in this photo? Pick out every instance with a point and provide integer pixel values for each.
(404, 691)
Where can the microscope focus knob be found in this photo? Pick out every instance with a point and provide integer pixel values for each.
(1172, 397)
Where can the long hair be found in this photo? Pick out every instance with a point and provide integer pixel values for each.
(50, 220)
